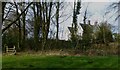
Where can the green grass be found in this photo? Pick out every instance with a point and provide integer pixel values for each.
(41, 61)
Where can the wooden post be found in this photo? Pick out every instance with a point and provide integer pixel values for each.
(14, 50)
(6, 49)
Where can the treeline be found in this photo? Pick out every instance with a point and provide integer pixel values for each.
(15, 31)
(27, 26)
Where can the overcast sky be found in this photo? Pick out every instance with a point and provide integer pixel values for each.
(61, 0)
(96, 12)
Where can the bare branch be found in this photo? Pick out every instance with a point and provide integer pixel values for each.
(17, 18)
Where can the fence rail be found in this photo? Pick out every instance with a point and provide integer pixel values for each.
(10, 49)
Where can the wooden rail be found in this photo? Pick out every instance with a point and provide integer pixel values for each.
(13, 50)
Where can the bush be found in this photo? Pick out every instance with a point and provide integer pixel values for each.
(9, 40)
(104, 33)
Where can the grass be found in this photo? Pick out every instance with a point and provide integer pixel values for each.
(42, 61)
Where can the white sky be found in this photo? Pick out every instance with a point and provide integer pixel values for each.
(61, 0)
(95, 9)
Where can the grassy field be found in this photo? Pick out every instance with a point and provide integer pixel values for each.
(42, 61)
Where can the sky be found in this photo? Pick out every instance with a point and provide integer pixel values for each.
(96, 12)
(62, 0)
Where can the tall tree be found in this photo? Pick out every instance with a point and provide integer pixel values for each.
(57, 19)
(37, 19)
(3, 30)
(19, 26)
(3, 8)
(22, 7)
(0, 25)
(76, 11)
(46, 22)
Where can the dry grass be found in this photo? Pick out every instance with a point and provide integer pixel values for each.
(97, 49)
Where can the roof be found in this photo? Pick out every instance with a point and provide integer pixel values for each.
(70, 29)
(85, 25)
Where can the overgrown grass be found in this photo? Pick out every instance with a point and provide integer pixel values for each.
(42, 61)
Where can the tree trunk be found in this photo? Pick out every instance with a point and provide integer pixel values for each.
(46, 24)
(36, 28)
(57, 20)
(3, 7)
(19, 25)
(1, 27)
(23, 31)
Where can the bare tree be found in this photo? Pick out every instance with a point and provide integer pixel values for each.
(16, 18)
(57, 19)
(76, 11)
